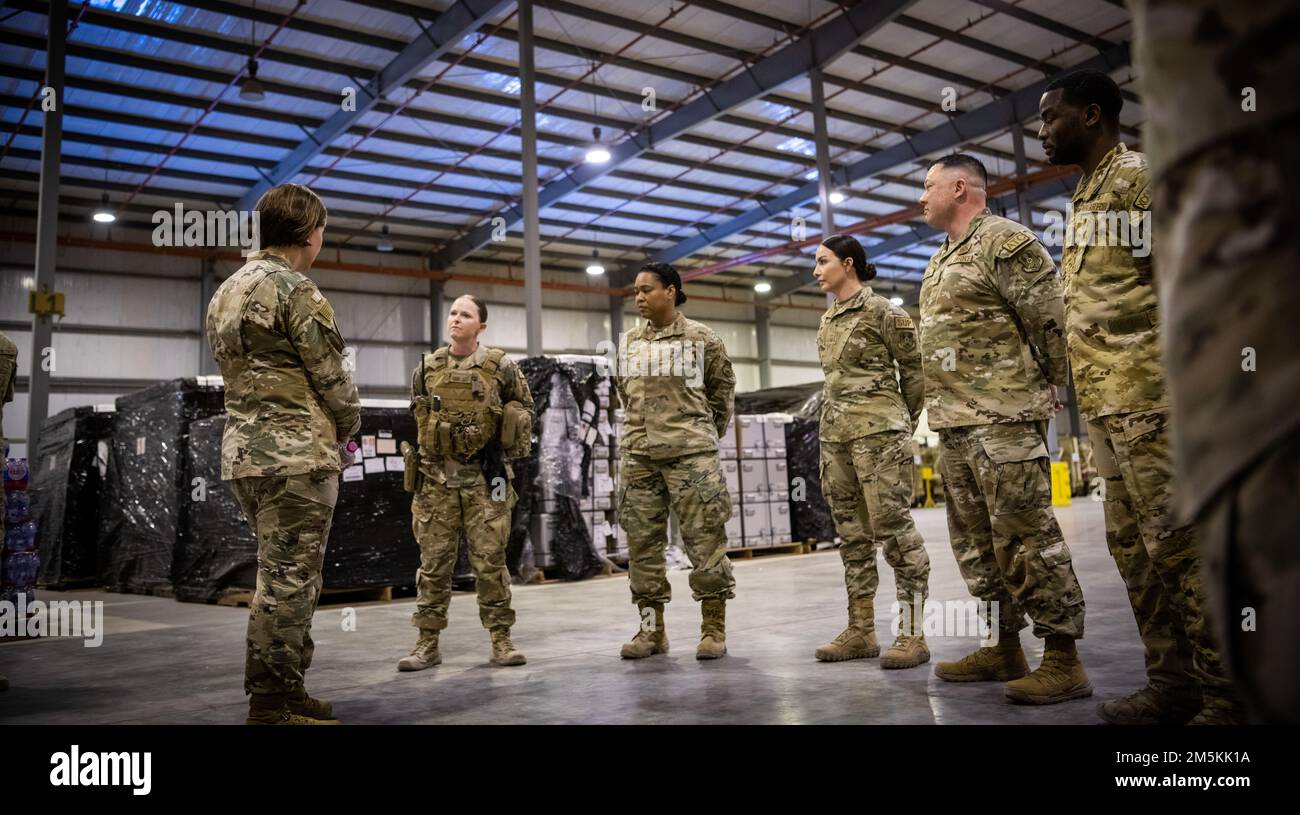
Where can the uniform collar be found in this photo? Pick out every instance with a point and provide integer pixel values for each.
(264, 254)
(857, 301)
(949, 247)
(473, 360)
(673, 329)
(1089, 184)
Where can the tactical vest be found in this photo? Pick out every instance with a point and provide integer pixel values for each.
(461, 410)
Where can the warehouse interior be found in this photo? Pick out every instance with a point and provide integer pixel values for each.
(458, 147)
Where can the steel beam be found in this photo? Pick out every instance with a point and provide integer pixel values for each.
(818, 48)
(47, 227)
(463, 17)
(958, 130)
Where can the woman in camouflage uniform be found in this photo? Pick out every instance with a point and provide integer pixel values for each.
(677, 389)
(867, 418)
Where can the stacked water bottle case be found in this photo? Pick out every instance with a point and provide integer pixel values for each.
(19, 562)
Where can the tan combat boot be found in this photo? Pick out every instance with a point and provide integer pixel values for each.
(1150, 706)
(858, 641)
(272, 708)
(504, 651)
(648, 643)
(909, 648)
(301, 704)
(998, 663)
(1060, 677)
(713, 630)
(425, 655)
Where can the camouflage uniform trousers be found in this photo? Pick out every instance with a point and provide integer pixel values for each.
(868, 484)
(1159, 561)
(1007, 542)
(291, 516)
(439, 514)
(693, 486)
(1253, 570)
(1248, 528)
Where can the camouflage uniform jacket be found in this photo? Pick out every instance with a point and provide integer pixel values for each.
(1110, 302)
(677, 388)
(289, 396)
(992, 327)
(858, 342)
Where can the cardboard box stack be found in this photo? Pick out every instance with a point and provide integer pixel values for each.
(758, 480)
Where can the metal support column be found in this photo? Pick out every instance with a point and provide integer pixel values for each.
(207, 287)
(47, 228)
(437, 313)
(615, 319)
(821, 138)
(763, 333)
(1022, 168)
(528, 146)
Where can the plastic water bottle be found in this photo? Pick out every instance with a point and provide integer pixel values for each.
(20, 537)
(19, 570)
(18, 508)
(16, 475)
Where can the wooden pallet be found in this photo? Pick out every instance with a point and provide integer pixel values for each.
(796, 548)
(243, 598)
(84, 584)
(551, 574)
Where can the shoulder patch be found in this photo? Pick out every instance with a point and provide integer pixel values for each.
(904, 323)
(1014, 244)
(1143, 200)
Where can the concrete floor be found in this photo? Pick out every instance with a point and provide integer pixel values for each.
(167, 662)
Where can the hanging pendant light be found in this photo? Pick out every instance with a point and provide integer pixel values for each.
(597, 153)
(105, 214)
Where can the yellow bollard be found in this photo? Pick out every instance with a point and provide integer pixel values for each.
(1060, 484)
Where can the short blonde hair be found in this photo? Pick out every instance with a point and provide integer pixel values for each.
(288, 214)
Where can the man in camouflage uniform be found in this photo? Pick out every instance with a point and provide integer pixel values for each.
(867, 417)
(993, 352)
(465, 397)
(291, 403)
(8, 381)
(1223, 132)
(1111, 328)
(677, 389)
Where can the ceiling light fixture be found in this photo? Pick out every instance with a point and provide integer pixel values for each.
(597, 153)
(104, 214)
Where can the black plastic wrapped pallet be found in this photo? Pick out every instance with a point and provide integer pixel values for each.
(371, 543)
(218, 550)
(66, 481)
(810, 519)
(572, 547)
(139, 538)
(797, 400)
